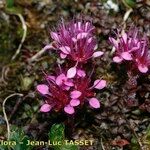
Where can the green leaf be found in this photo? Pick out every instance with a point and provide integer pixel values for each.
(14, 10)
(69, 147)
(130, 3)
(57, 134)
(18, 135)
(26, 82)
(2, 147)
(134, 140)
(148, 132)
(134, 144)
(9, 3)
(147, 135)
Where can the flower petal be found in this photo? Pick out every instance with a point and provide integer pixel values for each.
(74, 40)
(49, 77)
(74, 102)
(142, 68)
(98, 53)
(60, 79)
(90, 40)
(69, 83)
(96, 46)
(134, 48)
(48, 47)
(81, 73)
(62, 55)
(65, 87)
(126, 56)
(55, 36)
(86, 26)
(125, 37)
(94, 103)
(69, 109)
(71, 72)
(117, 59)
(82, 35)
(114, 42)
(45, 108)
(78, 25)
(43, 89)
(65, 49)
(99, 84)
(75, 94)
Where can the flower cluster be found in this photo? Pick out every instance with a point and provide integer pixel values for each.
(132, 47)
(72, 88)
(75, 41)
(62, 93)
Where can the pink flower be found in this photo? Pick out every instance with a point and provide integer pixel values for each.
(74, 102)
(59, 94)
(82, 85)
(69, 109)
(45, 108)
(75, 94)
(81, 73)
(71, 72)
(125, 44)
(64, 94)
(76, 41)
(94, 103)
(63, 80)
(99, 84)
(134, 48)
(43, 89)
(142, 57)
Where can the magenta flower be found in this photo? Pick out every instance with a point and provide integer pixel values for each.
(62, 93)
(82, 84)
(132, 47)
(76, 41)
(142, 57)
(125, 45)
